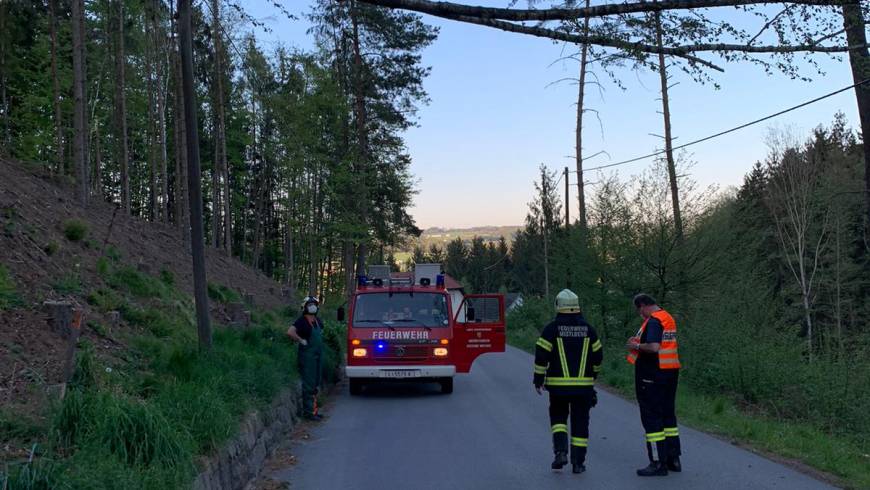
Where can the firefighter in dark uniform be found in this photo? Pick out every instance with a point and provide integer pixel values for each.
(307, 330)
(567, 361)
(653, 351)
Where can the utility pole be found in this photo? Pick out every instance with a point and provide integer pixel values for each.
(193, 177)
(567, 206)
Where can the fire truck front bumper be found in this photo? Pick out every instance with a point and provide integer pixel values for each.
(400, 372)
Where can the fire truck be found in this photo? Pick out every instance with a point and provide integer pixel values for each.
(412, 327)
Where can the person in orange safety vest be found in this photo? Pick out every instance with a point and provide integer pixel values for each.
(653, 352)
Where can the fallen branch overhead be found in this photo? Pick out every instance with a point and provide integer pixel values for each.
(443, 9)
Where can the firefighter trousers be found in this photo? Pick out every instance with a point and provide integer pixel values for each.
(656, 397)
(310, 369)
(575, 407)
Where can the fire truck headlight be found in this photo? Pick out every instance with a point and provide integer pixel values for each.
(359, 353)
(440, 351)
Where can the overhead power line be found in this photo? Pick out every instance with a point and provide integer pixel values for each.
(736, 128)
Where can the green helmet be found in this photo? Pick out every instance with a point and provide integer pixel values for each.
(567, 302)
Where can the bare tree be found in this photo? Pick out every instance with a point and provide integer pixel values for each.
(581, 92)
(793, 180)
(669, 149)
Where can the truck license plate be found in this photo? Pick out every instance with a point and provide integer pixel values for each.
(401, 373)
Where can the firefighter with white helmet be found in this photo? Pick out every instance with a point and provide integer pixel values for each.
(568, 358)
(308, 331)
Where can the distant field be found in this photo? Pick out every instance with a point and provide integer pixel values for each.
(441, 236)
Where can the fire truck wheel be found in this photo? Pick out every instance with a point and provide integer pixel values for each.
(446, 385)
(356, 387)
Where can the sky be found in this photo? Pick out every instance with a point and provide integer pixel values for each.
(497, 112)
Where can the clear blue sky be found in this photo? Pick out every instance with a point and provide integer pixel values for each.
(494, 117)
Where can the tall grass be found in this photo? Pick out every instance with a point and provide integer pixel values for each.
(141, 422)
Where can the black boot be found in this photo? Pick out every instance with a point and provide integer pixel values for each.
(674, 464)
(655, 468)
(560, 460)
(578, 468)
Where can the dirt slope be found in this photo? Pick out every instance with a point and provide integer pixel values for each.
(45, 265)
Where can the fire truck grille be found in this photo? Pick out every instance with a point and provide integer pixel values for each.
(403, 353)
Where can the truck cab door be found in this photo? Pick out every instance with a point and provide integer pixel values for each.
(479, 327)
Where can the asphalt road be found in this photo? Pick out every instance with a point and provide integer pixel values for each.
(493, 433)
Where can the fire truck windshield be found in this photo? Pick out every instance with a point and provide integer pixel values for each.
(401, 310)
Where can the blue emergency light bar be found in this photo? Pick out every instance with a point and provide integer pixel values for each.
(439, 280)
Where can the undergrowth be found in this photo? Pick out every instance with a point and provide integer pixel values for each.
(142, 422)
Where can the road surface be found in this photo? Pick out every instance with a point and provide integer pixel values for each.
(493, 433)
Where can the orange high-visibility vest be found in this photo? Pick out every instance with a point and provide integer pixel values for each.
(668, 357)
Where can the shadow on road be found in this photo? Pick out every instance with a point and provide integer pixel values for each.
(388, 389)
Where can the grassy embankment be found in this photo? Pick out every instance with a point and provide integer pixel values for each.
(140, 414)
(725, 414)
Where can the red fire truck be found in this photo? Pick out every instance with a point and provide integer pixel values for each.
(413, 328)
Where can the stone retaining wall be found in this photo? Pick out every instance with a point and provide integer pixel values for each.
(240, 460)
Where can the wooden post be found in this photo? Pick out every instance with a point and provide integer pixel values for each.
(75, 329)
(66, 321)
(60, 316)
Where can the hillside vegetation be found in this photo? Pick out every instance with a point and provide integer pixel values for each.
(143, 403)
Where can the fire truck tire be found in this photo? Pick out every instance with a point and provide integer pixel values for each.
(446, 385)
(356, 386)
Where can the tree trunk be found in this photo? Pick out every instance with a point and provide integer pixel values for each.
(182, 216)
(153, 193)
(581, 92)
(80, 122)
(362, 143)
(121, 144)
(289, 256)
(160, 75)
(221, 182)
(98, 162)
(55, 83)
(859, 59)
(349, 282)
(193, 177)
(669, 151)
(546, 260)
(6, 139)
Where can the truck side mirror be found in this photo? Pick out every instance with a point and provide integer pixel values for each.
(469, 315)
(340, 313)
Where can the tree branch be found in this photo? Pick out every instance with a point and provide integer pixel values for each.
(580, 39)
(443, 9)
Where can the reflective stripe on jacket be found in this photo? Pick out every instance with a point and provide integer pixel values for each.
(568, 355)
